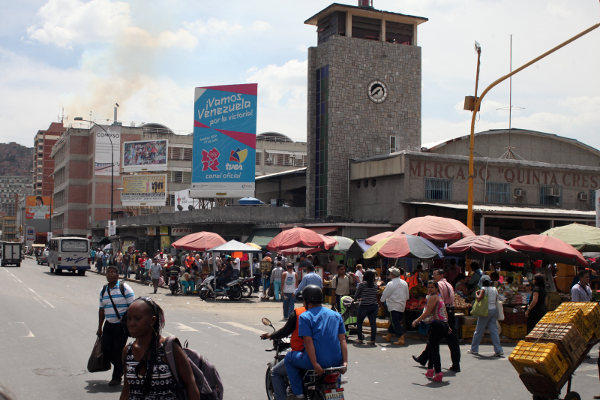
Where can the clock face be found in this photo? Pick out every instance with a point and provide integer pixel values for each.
(377, 91)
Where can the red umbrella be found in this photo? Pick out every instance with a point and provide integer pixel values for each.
(297, 237)
(548, 248)
(299, 250)
(199, 241)
(483, 245)
(435, 228)
(376, 238)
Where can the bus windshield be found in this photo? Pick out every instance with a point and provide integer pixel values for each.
(74, 245)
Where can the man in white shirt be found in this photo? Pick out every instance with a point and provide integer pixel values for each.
(581, 291)
(395, 296)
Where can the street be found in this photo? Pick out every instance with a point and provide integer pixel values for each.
(48, 324)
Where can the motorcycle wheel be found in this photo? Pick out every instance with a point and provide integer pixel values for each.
(246, 291)
(204, 294)
(234, 293)
(269, 384)
(173, 289)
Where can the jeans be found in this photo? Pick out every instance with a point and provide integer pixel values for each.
(276, 289)
(369, 311)
(295, 362)
(288, 304)
(484, 323)
(451, 339)
(437, 331)
(112, 342)
(396, 323)
(278, 374)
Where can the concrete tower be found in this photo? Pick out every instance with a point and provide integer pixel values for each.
(364, 97)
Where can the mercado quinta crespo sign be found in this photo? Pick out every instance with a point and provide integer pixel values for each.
(514, 175)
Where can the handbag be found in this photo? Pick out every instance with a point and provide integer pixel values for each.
(480, 307)
(500, 308)
(97, 362)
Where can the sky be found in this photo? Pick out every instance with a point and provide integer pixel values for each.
(69, 58)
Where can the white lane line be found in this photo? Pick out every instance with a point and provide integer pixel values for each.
(25, 328)
(246, 327)
(184, 328)
(218, 327)
(39, 297)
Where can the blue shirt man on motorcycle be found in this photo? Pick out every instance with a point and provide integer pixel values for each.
(324, 336)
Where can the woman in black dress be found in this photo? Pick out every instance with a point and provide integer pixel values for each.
(536, 308)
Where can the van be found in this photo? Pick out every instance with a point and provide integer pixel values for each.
(69, 254)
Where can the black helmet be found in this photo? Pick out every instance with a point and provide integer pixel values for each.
(312, 294)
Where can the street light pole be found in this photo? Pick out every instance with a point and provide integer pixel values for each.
(112, 163)
(480, 98)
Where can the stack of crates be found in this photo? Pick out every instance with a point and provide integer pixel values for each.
(541, 358)
(570, 316)
(566, 336)
(514, 325)
(591, 314)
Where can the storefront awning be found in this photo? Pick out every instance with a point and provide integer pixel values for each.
(492, 209)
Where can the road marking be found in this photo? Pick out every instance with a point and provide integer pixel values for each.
(218, 327)
(29, 333)
(37, 297)
(246, 327)
(184, 328)
(40, 297)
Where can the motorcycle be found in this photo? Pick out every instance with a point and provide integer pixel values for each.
(247, 285)
(327, 386)
(174, 284)
(208, 289)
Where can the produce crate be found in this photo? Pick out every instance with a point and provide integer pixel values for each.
(566, 336)
(467, 320)
(467, 331)
(514, 318)
(572, 316)
(591, 313)
(543, 358)
(514, 331)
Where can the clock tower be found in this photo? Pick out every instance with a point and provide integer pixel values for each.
(364, 97)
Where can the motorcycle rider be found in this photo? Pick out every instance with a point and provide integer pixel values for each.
(278, 371)
(225, 275)
(324, 337)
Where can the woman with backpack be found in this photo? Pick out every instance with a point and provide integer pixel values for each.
(148, 374)
(368, 307)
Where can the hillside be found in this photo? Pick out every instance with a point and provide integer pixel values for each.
(15, 159)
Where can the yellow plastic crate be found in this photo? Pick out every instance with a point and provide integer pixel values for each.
(571, 316)
(514, 331)
(467, 331)
(543, 358)
(591, 313)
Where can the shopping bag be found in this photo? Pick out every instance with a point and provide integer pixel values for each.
(500, 308)
(97, 361)
(480, 307)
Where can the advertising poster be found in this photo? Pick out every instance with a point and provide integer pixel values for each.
(144, 190)
(224, 155)
(37, 207)
(145, 155)
(107, 141)
(183, 201)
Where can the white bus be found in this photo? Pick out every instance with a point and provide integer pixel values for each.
(69, 254)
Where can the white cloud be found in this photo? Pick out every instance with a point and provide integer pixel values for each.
(212, 26)
(261, 26)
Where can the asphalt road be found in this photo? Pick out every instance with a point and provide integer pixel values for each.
(48, 324)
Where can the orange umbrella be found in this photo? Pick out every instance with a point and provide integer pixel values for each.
(199, 241)
(435, 228)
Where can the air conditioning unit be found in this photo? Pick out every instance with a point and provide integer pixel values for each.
(519, 192)
(583, 196)
(551, 191)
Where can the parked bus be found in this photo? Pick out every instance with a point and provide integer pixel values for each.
(69, 254)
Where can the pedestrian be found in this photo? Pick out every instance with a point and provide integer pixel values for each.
(310, 278)
(290, 283)
(147, 267)
(119, 261)
(265, 272)
(368, 307)
(395, 295)
(341, 282)
(126, 262)
(581, 291)
(276, 275)
(489, 322)
(360, 272)
(155, 271)
(115, 298)
(434, 314)
(536, 307)
(147, 371)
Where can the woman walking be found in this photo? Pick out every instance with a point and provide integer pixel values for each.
(367, 295)
(290, 283)
(147, 373)
(488, 322)
(536, 308)
(435, 315)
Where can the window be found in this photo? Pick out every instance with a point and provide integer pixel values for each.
(497, 193)
(438, 189)
(393, 147)
(321, 140)
(550, 195)
(187, 154)
(177, 176)
(258, 158)
(73, 245)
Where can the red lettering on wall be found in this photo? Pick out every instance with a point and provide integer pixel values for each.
(460, 173)
(437, 170)
(509, 175)
(448, 173)
(415, 168)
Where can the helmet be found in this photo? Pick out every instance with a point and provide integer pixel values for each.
(312, 294)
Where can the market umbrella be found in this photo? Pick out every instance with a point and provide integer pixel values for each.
(107, 247)
(403, 245)
(298, 237)
(435, 228)
(483, 245)
(376, 238)
(343, 243)
(548, 248)
(233, 246)
(292, 251)
(199, 241)
(358, 248)
(584, 238)
(256, 246)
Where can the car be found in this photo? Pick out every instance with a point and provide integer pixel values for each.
(42, 258)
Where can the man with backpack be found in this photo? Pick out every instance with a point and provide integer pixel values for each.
(115, 298)
(342, 283)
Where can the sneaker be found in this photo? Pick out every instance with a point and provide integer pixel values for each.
(455, 368)
(114, 382)
(499, 355)
(429, 373)
(422, 363)
(475, 353)
(438, 377)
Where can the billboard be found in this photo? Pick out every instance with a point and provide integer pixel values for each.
(38, 207)
(224, 141)
(145, 155)
(107, 141)
(144, 190)
(183, 201)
